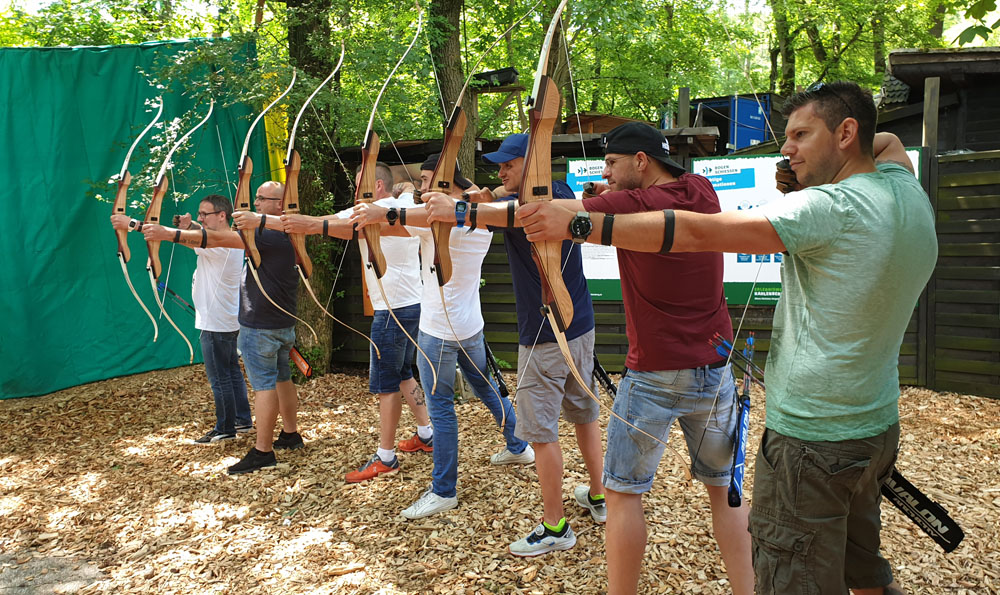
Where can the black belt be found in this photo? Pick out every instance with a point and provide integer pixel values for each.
(719, 364)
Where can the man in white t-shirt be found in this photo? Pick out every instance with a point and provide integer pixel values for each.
(215, 289)
(450, 339)
(391, 376)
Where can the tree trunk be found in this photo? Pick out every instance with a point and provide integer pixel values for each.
(445, 20)
(786, 81)
(878, 39)
(310, 51)
(937, 29)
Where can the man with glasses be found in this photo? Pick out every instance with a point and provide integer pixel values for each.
(861, 246)
(215, 291)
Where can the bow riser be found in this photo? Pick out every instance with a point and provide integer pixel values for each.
(153, 218)
(121, 196)
(290, 202)
(536, 185)
(243, 204)
(443, 181)
(366, 194)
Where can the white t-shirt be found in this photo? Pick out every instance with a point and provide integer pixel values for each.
(215, 289)
(461, 293)
(401, 280)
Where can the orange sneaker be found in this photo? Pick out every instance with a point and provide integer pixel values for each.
(373, 468)
(417, 443)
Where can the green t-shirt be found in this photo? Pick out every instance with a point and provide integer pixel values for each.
(859, 254)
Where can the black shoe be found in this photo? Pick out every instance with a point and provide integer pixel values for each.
(253, 461)
(289, 441)
(214, 436)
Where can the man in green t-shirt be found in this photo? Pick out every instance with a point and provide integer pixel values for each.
(859, 233)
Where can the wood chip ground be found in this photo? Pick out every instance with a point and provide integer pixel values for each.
(107, 473)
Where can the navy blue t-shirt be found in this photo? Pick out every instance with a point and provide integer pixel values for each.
(280, 280)
(528, 285)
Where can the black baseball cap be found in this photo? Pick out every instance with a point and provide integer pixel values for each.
(632, 137)
(431, 162)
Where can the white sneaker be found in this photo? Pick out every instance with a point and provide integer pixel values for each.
(429, 503)
(599, 512)
(505, 457)
(542, 541)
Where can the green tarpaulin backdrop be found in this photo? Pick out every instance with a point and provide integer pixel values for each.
(67, 118)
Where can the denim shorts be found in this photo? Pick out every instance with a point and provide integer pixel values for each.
(398, 352)
(265, 355)
(652, 401)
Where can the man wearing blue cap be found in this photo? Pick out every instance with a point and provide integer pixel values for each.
(545, 383)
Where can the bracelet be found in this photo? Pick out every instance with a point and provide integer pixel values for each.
(263, 223)
(326, 228)
(668, 231)
(609, 223)
(402, 216)
(472, 215)
(177, 237)
(204, 238)
(510, 213)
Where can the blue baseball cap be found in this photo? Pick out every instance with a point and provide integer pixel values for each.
(512, 147)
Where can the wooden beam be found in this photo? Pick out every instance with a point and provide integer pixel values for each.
(932, 97)
(683, 107)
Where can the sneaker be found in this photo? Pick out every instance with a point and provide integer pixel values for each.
(505, 457)
(542, 541)
(289, 441)
(598, 511)
(416, 443)
(429, 503)
(214, 436)
(244, 429)
(373, 468)
(253, 461)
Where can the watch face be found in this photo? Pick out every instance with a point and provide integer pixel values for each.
(461, 206)
(580, 227)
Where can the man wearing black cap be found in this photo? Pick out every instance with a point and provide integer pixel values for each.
(674, 305)
(545, 384)
(449, 340)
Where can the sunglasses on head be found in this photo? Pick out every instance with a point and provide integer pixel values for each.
(820, 88)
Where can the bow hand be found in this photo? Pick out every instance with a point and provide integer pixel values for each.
(298, 223)
(246, 220)
(368, 214)
(440, 207)
(120, 222)
(544, 221)
(154, 233)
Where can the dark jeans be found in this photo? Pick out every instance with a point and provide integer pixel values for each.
(222, 366)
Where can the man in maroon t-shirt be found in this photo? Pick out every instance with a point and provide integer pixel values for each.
(674, 305)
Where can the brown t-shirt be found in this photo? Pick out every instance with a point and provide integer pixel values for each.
(674, 303)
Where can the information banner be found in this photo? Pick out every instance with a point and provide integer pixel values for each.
(600, 263)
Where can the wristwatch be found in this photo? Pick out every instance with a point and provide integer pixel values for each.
(392, 216)
(580, 227)
(460, 208)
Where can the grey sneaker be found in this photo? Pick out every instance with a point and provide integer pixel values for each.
(505, 457)
(598, 511)
(214, 436)
(429, 503)
(542, 541)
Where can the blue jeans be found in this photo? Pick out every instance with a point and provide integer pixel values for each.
(222, 366)
(441, 402)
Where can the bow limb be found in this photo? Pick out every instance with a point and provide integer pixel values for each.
(290, 205)
(121, 198)
(153, 265)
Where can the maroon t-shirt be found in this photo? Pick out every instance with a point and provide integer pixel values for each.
(674, 303)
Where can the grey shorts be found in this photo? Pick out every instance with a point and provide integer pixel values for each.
(545, 384)
(815, 517)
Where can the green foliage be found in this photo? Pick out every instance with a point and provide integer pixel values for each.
(978, 12)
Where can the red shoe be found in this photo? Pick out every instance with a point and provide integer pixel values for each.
(373, 468)
(416, 443)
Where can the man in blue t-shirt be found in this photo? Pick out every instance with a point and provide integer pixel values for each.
(545, 383)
